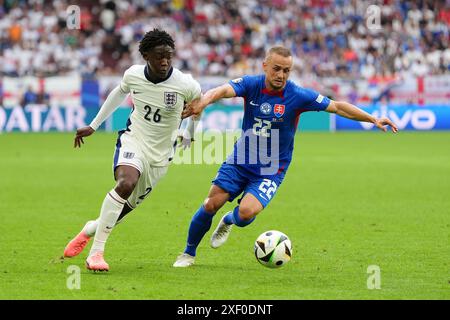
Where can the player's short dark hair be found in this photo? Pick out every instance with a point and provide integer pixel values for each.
(155, 38)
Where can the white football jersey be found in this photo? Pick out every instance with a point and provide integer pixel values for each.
(156, 114)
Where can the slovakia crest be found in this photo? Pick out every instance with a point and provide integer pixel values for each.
(170, 99)
(279, 110)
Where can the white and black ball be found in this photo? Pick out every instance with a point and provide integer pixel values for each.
(273, 249)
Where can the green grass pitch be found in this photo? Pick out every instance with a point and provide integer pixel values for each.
(349, 200)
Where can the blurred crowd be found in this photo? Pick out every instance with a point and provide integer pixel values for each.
(329, 38)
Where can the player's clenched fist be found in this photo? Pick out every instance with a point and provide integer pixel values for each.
(81, 133)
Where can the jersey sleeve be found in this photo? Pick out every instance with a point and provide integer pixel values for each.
(124, 84)
(240, 86)
(312, 100)
(194, 89)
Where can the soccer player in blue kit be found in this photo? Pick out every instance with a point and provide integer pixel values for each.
(272, 107)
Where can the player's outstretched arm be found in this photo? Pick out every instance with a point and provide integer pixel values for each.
(352, 112)
(196, 107)
(81, 133)
(112, 102)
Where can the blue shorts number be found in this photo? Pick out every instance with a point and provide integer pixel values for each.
(268, 187)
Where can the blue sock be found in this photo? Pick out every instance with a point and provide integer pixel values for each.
(200, 224)
(233, 218)
(229, 219)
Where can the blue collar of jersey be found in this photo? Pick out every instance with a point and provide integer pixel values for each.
(273, 93)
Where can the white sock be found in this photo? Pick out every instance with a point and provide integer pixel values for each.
(111, 208)
(90, 227)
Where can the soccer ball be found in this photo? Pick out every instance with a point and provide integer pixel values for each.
(273, 249)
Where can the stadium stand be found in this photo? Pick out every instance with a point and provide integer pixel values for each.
(229, 38)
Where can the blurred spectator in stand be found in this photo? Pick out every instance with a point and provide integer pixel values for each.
(108, 17)
(43, 98)
(29, 97)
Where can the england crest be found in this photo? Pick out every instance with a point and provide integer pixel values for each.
(170, 99)
(278, 110)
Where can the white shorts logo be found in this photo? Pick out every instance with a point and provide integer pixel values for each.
(128, 155)
(319, 98)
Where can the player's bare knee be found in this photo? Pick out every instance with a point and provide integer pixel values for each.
(210, 205)
(125, 187)
(246, 212)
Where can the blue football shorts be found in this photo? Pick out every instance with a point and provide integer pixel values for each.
(235, 180)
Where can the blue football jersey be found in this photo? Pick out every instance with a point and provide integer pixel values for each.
(270, 122)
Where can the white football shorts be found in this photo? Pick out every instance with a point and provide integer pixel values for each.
(128, 153)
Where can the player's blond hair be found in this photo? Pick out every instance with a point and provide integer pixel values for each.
(280, 50)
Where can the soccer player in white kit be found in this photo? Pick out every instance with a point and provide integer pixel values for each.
(144, 149)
